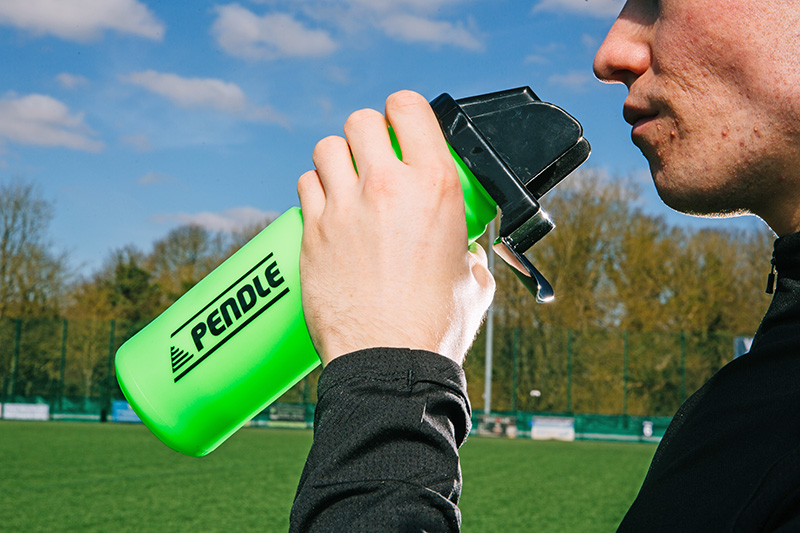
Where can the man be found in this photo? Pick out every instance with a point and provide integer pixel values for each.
(714, 101)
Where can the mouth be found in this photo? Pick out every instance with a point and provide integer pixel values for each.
(641, 117)
(638, 116)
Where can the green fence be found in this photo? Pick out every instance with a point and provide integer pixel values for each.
(610, 372)
(69, 365)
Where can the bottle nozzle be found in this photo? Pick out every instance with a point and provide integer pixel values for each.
(518, 148)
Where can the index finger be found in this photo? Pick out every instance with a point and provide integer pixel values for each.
(417, 129)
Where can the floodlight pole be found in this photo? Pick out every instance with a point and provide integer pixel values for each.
(487, 390)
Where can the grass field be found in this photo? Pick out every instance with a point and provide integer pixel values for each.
(62, 476)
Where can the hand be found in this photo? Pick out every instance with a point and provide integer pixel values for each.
(384, 259)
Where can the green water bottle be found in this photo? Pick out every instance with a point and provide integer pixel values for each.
(237, 340)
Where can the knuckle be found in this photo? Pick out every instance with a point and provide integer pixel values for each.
(443, 176)
(443, 169)
(381, 183)
(489, 284)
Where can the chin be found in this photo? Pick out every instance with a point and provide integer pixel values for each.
(697, 202)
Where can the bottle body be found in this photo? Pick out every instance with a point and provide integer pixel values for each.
(237, 340)
(226, 349)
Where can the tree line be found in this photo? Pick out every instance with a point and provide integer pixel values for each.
(614, 267)
(645, 311)
(38, 292)
(132, 285)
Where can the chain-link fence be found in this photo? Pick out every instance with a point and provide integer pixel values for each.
(594, 372)
(69, 364)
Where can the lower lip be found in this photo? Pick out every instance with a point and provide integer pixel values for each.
(641, 124)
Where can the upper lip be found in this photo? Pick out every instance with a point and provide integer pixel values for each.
(634, 113)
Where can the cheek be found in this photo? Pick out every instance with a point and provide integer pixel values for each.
(732, 58)
(701, 41)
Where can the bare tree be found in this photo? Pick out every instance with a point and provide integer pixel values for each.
(184, 257)
(32, 277)
(625, 281)
(243, 235)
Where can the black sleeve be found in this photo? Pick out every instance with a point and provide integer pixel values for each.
(387, 429)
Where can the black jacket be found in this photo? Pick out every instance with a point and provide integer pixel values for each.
(389, 423)
(387, 429)
(730, 460)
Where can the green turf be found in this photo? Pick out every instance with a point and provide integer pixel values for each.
(63, 476)
(524, 485)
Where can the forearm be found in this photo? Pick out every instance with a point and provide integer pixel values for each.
(387, 430)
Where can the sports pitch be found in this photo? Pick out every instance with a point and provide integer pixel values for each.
(63, 476)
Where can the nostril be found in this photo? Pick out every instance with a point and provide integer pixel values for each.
(606, 57)
(601, 66)
(625, 53)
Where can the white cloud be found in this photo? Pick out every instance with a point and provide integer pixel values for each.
(418, 5)
(71, 81)
(155, 178)
(590, 42)
(41, 120)
(209, 93)
(229, 220)
(337, 74)
(576, 81)
(417, 29)
(81, 20)
(140, 142)
(544, 54)
(534, 59)
(242, 33)
(413, 5)
(595, 8)
(191, 92)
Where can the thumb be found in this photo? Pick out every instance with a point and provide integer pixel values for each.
(479, 265)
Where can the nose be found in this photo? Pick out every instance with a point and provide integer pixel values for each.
(626, 51)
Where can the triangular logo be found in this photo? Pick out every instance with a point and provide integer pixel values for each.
(179, 358)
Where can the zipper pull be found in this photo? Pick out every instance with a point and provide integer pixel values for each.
(771, 278)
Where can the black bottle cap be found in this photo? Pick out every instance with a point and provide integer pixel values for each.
(519, 148)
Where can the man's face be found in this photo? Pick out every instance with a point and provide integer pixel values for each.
(714, 101)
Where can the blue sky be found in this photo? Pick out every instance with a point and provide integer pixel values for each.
(135, 116)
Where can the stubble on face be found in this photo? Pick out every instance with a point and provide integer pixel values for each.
(725, 139)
